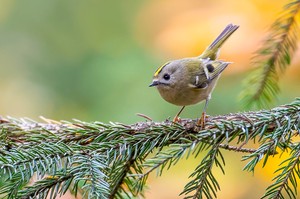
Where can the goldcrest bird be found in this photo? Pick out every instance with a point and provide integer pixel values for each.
(189, 81)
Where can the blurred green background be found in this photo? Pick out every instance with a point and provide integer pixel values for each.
(93, 60)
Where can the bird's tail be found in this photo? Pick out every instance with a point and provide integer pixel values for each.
(211, 51)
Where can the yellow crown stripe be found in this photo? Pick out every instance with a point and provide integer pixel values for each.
(159, 69)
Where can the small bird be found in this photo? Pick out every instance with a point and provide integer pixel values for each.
(189, 81)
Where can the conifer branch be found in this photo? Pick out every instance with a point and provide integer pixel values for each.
(290, 173)
(125, 169)
(41, 188)
(112, 160)
(204, 182)
(272, 59)
(237, 149)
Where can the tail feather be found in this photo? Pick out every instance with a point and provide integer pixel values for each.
(212, 50)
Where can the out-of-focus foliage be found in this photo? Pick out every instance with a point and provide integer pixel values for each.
(73, 59)
(272, 59)
(93, 60)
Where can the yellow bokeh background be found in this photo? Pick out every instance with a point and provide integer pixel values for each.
(93, 60)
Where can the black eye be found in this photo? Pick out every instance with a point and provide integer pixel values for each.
(210, 68)
(166, 76)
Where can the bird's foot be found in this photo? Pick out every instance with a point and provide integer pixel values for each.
(176, 119)
(201, 122)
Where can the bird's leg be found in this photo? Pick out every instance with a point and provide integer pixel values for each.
(201, 121)
(176, 118)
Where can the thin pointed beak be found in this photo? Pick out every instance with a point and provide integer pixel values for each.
(154, 83)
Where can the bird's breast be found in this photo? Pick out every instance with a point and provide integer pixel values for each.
(185, 95)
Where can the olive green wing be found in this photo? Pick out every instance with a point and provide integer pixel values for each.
(213, 69)
(208, 72)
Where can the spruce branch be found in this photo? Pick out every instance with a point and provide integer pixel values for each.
(237, 149)
(204, 182)
(57, 184)
(89, 169)
(113, 160)
(289, 172)
(272, 59)
(119, 173)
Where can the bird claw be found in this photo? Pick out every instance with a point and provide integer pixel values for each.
(201, 122)
(176, 119)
